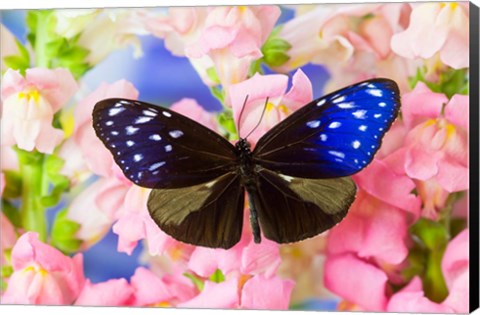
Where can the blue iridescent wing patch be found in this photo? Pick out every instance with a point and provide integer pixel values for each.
(334, 136)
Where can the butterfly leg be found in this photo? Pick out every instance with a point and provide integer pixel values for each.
(252, 196)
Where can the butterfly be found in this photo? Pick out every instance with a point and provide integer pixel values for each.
(297, 177)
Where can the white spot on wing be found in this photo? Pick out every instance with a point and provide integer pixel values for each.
(313, 123)
(337, 154)
(109, 123)
(130, 143)
(360, 114)
(131, 130)
(356, 144)
(166, 114)
(346, 105)
(321, 102)
(362, 128)
(114, 133)
(114, 111)
(137, 157)
(382, 104)
(156, 165)
(286, 177)
(155, 137)
(339, 100)
(150, 113)
(176, 133)
(377, 115)
(323, 137)
(168, 148)
(142, 119)
(375, 92)
(334, 125)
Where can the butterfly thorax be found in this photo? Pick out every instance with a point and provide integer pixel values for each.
(245, 162)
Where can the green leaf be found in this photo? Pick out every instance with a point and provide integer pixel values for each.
(217, 276)
(12, 213)
(276, 58)
(13, 184)
(195, 280)
(16, 63)
(218, 93)
(433, 235)
(64, 232)
(6, 271)
(59, 183)
(212, 75)
(225, 120)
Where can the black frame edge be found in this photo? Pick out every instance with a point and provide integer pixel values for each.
(474, 158)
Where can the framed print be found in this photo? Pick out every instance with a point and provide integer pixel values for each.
(317, 157)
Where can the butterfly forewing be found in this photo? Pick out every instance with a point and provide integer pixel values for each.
(158, 148)
(336, 135)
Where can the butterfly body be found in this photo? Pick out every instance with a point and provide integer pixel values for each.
(297, 177)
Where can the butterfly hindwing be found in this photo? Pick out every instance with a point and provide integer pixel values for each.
(158, 148)
(208, 214)
(292, 209)
(334, 136)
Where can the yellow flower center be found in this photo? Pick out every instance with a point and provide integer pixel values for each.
(280, 107)
(28, 95)
(36, 269)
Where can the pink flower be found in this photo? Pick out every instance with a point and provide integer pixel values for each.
(266, 293)
(373, 230)
(216, 295)
(114, 292)
(96, 208)
(449, 24)
(8, 237)
(190, 108)
(42, 274)
(98, 158)
(357, 281)
(455, 268)
(280, 103)
(435, 149)
(29, 105)
(230, 37)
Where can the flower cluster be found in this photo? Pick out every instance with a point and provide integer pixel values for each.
(403, 246)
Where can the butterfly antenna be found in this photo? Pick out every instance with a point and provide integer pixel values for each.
(241, 113)
(260, 120)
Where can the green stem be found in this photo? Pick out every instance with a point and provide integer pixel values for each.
(41, 40)
(31, 210)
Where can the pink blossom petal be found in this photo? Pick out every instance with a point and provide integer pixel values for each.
(114, 292)
(216, 295)
(452, 176)
(459, 292)
(148, 288)
(300, 93)
(380, 181)
(371, 229)
(261, 258)
(130, 229)
(190, 108)
(57, 85)
(416, 40)
(12, 82)
(456, 259)
(366, 283)
(421, 164)
(457, 110)
(421, 104)
(263, 293)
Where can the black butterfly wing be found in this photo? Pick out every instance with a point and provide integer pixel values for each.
(334, 136)
(209, 214)
(159, 148)
(292, 209)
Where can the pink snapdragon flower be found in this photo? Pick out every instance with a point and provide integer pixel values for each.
(114, 292)
(449, 24)
(29, 104)
(98, 158)
(190, 108)
(226, 39)
(42, 274)
(455, 268)
(280, 102)
(435, 150)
